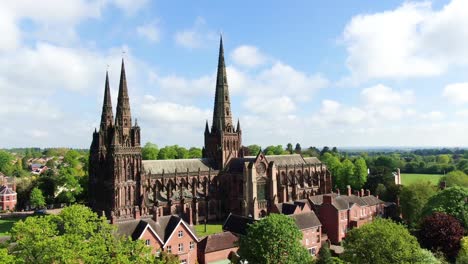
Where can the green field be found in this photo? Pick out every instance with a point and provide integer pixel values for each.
(408, 178)
(6, 225)
(210, 229)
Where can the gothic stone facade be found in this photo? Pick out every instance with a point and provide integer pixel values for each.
(123, 186)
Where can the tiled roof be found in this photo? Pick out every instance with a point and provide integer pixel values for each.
(220, 241)
(342, 202)
(163, 228)
(282, 160)
(6, 190)
(312, 160)
(181, 165)
(237, 224)
(306, 220)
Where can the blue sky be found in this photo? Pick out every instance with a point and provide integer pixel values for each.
(336, 73)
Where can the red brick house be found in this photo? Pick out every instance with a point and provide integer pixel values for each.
(217, 248)
(7, 198)
(167, 233)
(339, 213)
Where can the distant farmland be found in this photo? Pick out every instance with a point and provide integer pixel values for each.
(408, 178)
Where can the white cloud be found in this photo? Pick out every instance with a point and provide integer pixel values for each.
(456, 93)
(150, 31)
(433, 115)
(381, 94)
(130, 7)
(195, 37)
(412, 40)
(249, 56)
(270, 106)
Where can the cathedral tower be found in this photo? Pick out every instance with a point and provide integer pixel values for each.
(115, 162)
(223, 142)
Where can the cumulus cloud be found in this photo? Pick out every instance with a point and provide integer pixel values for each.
(150, 31)
(412, 40)
(249, 56)
(195, 37)
(456, 93)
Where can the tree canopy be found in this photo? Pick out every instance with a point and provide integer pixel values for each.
(455, 178)
(274, 239)
(76, 235)
(36, 199)
(413, 198)
(381, 241)
(441, 232)
(451, 201)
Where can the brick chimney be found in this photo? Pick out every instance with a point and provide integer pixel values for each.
(155, 213)
(368, 192)
(328, 199)
(356, 192)
(136, 212)
(338, 191)
(362, 192)
(349, 190)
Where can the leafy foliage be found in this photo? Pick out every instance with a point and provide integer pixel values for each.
(455, 178)
(324, 256)
(36, 198)
(76, 235)
(274, 239)
(463, 253)
(381, 241)
(451, 201)
(413, 198)
(150, 151)
(441, 232)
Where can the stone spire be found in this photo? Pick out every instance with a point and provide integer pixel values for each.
(207, 129)
(107, 115)
(123, 117)
(238, 126)
(222, 118)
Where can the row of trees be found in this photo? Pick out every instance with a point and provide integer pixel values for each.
(346, 171)
(151, 152)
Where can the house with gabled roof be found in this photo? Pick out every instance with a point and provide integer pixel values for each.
(166, 233)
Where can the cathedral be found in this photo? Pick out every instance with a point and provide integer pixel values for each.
(225, 180)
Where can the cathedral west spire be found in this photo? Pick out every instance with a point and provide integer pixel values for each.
(107, 115)
(123, 117)
(222, 118)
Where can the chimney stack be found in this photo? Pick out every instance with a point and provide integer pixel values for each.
(349, 190)
(368, 192)
(155, 213)
(362, 192)
(327, 199)
(338, 191)
(356, 192)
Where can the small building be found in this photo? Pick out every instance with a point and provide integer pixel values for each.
(168, 233)
(7, 198)
(217, 248)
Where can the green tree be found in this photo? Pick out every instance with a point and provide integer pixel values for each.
(167, 258)
(36, 199)
(76, 235)
(413, 198)
(254, 149)
(289, 148)
(455, 178)
(334, 165)
(451, 201)
(463, 253)
(274, 239)
(150, 151)
(445, 159)
(298, 149)
(381, 241)
(182, 153)
(168, 152)
(194, 153)
(6, 162)
(324, 256)
(360, 174)
(345, 174)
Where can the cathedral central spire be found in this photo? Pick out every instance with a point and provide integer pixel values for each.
(222, 118)
(123, 115)
(107, 115)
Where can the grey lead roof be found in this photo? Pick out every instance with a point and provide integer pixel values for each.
(179, 165)
(281, 160)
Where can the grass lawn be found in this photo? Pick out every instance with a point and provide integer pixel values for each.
(408, 178)
(6, 225)
(210, 229)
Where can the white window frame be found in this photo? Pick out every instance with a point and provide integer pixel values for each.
(180, 233)
(192, 245)
(169, 249)
(181, 247)
(147, 242)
